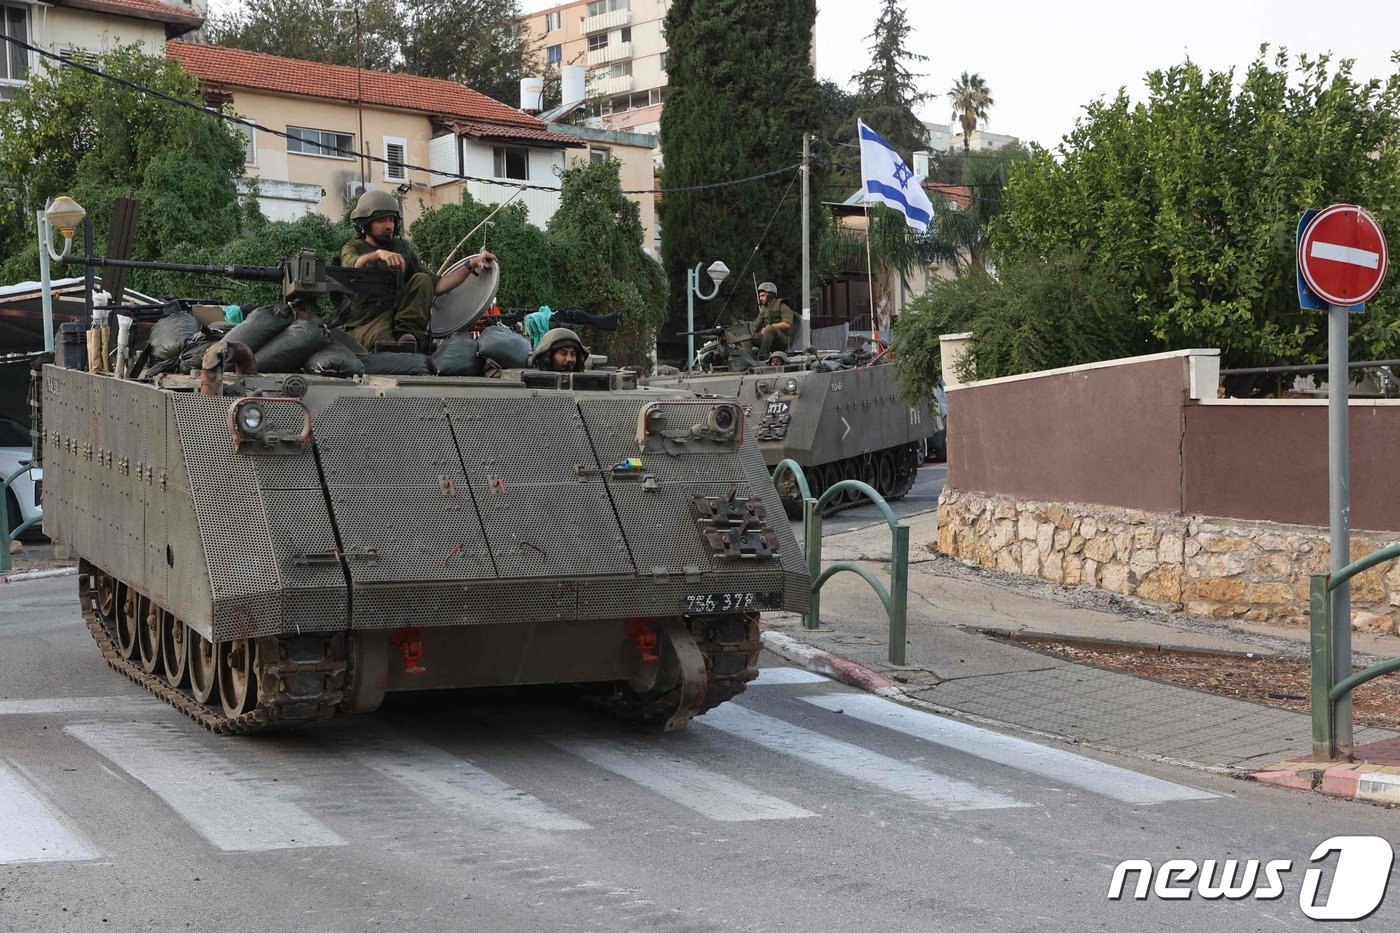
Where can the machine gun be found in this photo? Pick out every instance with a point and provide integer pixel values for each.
(729, 347)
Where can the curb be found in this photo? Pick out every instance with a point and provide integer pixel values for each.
(1356, 781)
(38, 574)
(853, 674)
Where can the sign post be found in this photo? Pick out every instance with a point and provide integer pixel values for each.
(1342, 260)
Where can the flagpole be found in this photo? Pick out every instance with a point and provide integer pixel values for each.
(870, 277)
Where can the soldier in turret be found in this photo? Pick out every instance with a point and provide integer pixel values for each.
(560, 351)
(774, 322)
(378, 241)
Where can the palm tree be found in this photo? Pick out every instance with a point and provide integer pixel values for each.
(971, 99)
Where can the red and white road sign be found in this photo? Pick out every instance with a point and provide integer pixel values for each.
(1342, 255)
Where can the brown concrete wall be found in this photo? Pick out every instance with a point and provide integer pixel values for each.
(1269, 461)
(1109, 435)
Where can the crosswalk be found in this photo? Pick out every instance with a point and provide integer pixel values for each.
(796, 750)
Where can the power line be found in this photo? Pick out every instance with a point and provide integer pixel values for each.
(242, 121)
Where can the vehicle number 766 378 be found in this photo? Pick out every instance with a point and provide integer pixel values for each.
(727, 602)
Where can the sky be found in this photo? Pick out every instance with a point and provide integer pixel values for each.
(1044, 61)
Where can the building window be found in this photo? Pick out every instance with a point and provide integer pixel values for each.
(600, 41)
(599, 7)
(250, 144)
(79, 54)
(395, 155)
(663, 61)
(552, 20)
(512, 162)
(624, 34)
(599, 154)
(554, 54)
(617, 70)
(325, 143)
(14, 61)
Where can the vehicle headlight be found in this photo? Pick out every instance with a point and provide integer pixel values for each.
(250, 418)
(790, 387)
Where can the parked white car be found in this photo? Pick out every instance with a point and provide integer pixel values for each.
(24, 498)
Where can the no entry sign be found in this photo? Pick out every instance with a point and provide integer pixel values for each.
(1342, 255)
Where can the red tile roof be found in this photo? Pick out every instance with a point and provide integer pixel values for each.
(178, 18)
(235, 68)
(958, 194)
(497, 131)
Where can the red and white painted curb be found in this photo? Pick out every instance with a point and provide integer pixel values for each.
(834, 666)
(1358, 781)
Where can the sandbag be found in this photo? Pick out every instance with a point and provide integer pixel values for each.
(397, 364)
(504, 347)
(192, 354)
(458, 355)
(290, 349)
(350, 343)
(169, 334)
(335, 360)
(261, 325)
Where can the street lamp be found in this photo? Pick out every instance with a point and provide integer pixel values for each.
(718, 273)
(67, 215)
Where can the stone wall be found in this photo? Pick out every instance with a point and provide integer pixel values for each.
(1209, 566)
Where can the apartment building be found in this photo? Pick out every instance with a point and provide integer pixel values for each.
(621, 44)
(82, 28)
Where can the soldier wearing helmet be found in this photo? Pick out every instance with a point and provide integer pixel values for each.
(774, 321)
(559, 351)
(378, 242)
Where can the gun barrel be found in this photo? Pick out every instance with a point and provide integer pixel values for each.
(246, 273)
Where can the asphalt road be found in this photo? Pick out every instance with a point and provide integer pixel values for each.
(803, 806)
(922, 498)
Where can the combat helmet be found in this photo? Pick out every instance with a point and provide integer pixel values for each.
(770, 288)
(373, 205)
(552, 341)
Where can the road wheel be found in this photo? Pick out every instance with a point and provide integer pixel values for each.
(884, 472)
(128, 621)
(174, 649)
(238, 682)
(148, 635)
(204, 667)
(938, 446)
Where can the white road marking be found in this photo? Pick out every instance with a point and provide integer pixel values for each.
(861, 764)
(457, 785)
(706, 792)
(782, 676)
(1347, 254)
(119, 705)
(227, 806)
(30, 831)
(1056, 764)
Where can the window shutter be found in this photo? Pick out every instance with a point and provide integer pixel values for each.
(396, 154)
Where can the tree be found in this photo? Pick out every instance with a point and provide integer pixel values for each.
(965, 229)
(71, 132)
(741, 93)
(971, 99)
(312, 30)
(1194, 195)
(1035, 314)
(479, 43)
(527, 266)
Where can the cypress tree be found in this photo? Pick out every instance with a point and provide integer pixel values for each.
(741, 92)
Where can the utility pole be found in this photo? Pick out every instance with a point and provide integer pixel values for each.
(804, 338)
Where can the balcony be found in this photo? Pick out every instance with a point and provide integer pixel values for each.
(610, 53)
(609, 87)
(613, 20)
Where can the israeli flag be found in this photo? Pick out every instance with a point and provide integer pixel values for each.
(889, 181)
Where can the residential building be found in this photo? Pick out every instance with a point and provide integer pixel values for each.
(84, 27)
(429, 131)
(622, 45)
(981, 140)
(940, 136)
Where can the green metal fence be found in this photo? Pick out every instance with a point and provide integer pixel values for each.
(896, 597)
(6, 534)
(1327, 691)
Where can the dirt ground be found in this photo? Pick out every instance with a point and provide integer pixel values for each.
(1271, 681)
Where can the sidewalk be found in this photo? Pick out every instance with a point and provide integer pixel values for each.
(956, 666)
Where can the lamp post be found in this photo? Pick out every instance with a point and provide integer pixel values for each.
(718, 273)
(65, 214)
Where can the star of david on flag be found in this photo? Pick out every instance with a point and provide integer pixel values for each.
(887, 180)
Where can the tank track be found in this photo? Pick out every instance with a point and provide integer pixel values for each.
(730, 645)
(854, 468)
(305, 683)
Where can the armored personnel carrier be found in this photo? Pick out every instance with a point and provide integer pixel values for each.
(262, 550)
(838, 415)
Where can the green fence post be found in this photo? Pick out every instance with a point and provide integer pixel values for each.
(899, 592)
(812, 544)
(1320, 658)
